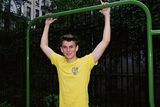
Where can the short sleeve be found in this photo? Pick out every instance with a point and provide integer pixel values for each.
(54, 58)
(89, 61)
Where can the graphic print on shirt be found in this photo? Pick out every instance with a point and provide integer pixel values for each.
(75, 70)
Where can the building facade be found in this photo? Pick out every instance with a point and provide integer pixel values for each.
(29, 8)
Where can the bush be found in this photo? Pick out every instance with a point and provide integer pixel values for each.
(51, 99)
(5, 104)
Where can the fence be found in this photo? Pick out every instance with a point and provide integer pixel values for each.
(12, 60)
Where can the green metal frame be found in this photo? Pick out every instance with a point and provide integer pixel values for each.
(150, 33)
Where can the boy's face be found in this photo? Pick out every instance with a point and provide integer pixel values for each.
(69, 50)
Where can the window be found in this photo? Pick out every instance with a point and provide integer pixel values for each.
(37, 3)
(45, 3)
(29, 2)
(43, 13)
(37, 13)
(29, 12)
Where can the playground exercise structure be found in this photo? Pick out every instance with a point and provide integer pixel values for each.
(150, 33)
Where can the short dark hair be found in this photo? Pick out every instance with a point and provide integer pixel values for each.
(68, 37)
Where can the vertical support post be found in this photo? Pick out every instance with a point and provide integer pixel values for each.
(150, 63)
(27, 67)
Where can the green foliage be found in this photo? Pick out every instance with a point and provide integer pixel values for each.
(1, 4)
(62, 5)
(51, 99)
(5, 104)
(11, 22)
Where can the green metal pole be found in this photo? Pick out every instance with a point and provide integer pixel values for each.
(96, 7)
(27, 67)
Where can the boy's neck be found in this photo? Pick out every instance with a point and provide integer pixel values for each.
(71, 60)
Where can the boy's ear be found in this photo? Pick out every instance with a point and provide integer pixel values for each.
(61, 49)
(77, 48)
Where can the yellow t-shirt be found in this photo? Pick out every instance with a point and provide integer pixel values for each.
(73, 79)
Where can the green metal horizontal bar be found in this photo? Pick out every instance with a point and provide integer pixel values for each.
(90, 8)
(155, 32)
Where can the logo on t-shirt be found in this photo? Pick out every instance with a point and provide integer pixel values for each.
(75, 70)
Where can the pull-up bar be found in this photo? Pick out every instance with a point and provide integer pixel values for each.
(150, 32)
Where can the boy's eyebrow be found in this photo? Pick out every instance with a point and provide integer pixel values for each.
(71, 46)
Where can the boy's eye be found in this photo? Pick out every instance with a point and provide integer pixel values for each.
(71, 46)
(64, 46)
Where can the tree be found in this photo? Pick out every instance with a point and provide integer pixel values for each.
(1, 4)
(62, 5)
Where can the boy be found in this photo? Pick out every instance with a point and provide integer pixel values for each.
(74, 72)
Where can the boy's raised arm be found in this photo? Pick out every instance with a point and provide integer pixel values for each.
(99, 50)
(44, 39)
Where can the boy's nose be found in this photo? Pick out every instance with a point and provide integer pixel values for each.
(68, 49)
